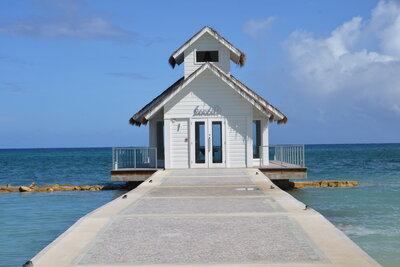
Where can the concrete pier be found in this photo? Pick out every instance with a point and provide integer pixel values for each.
(222, 217)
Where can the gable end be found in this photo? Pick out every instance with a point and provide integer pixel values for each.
(236, 55)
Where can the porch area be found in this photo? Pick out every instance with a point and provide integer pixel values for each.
(283, 162)
(277, 162)
(131, 164)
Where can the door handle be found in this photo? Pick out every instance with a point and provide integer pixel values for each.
(209, 143)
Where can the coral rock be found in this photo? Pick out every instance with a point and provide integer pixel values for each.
(25, 189)
(303, 184)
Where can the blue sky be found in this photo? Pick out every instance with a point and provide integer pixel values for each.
(73, 72)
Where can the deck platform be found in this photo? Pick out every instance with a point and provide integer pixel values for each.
(203, 217)
(132, 175)
(276, 170)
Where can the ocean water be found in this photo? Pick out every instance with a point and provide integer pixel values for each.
(369, 214)
(30, 221)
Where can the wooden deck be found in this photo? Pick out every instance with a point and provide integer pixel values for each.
(132, 175)
(276, 170)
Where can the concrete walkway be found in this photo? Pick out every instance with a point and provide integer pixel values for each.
(205, 217)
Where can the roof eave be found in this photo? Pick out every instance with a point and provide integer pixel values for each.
(259, 102)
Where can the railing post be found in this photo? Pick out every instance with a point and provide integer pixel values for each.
(285, 155)
(116, 159)
(156, 159)
(298, 156)
(292, 160)
(134, 158)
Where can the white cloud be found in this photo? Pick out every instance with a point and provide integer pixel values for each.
(386, 22)
(62, 19)
(344, 64)
(254, 28)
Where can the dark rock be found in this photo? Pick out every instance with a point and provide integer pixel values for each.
(28, 264)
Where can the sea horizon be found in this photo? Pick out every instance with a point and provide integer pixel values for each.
(109, 147)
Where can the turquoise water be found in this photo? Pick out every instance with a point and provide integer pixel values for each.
(30, 221)
(368, 214)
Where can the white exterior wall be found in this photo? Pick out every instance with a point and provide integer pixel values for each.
(265, 141)
(179, 136)
(206, 43)
(167, 144)
(264, 153)
(207, 91)
(204, 92)
(236, 142)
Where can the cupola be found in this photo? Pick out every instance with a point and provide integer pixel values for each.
(207, 45)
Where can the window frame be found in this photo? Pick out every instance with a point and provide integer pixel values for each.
(200, 63)
(257, 141)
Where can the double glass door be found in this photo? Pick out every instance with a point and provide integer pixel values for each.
(207, 143)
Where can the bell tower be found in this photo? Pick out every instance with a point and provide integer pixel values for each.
(206, 46)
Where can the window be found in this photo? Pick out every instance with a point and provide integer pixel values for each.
(256, 139)
(217, 141)
(200, 142)
(206, 56)
(160, 140)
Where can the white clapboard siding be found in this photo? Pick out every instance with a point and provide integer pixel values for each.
(236, 141)
(206, 43)
(179, 144)
(206, 91)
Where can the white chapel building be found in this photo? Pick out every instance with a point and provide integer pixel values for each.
(208, 118)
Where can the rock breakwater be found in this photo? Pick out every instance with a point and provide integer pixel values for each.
(64, 187)
(298, 185)
(288, 185)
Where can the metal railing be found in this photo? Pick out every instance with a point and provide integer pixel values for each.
(134, 158)
(283, 155)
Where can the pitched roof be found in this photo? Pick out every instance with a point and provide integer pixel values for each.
(256, 100)
(140, 117)
(236, 55)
